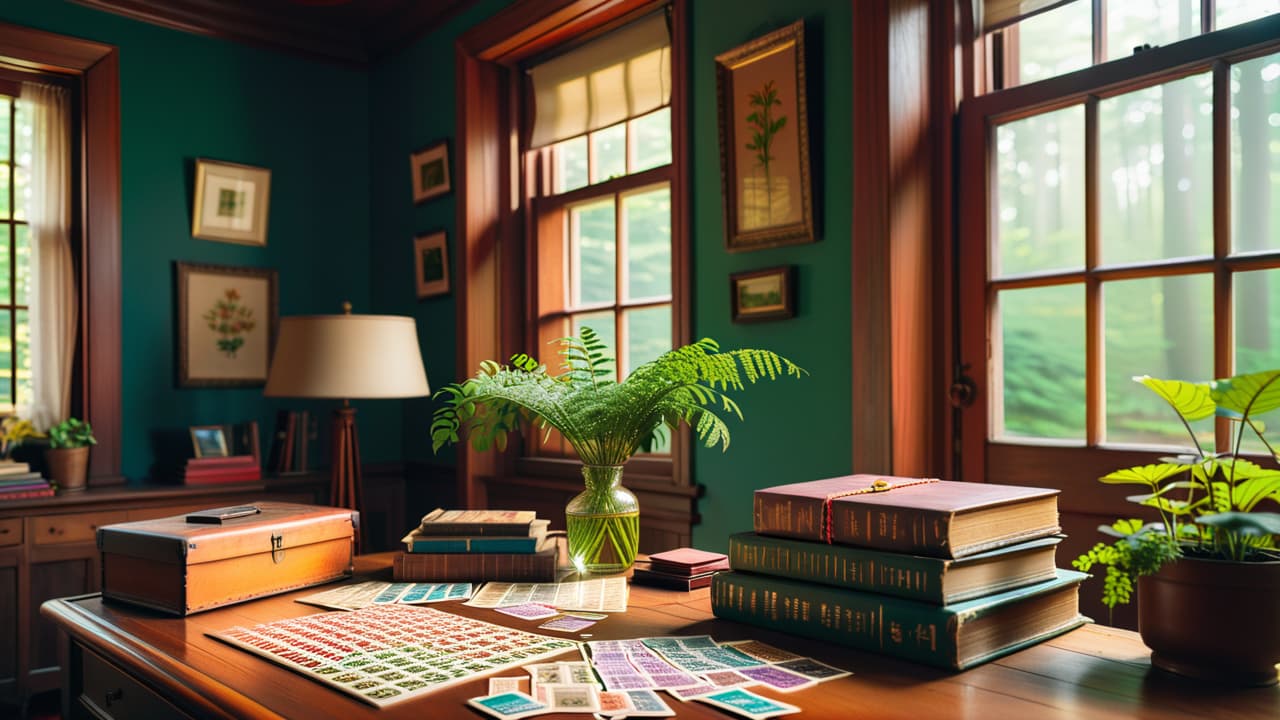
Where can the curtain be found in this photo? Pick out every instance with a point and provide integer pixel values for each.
(53, 301)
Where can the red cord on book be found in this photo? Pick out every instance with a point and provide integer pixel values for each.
(880, 485)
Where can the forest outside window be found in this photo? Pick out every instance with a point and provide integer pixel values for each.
(15, 254)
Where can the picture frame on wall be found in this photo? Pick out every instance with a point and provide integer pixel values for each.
(764, 142)
(208, 441)
(766, 294)
(227, 318)
(431, 264)
(430, 167)
(231, 202)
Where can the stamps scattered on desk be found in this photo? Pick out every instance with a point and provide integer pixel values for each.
(747, 704)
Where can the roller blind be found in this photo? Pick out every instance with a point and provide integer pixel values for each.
(999, 13)
(623, 74)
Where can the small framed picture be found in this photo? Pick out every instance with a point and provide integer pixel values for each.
(431, 264)
(430, 168)
(767, 294)
(231, 202)
(209, 441)
(226, 324)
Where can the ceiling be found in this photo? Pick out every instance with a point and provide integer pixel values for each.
(351, 32)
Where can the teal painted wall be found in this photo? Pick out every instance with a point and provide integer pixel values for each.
(185, 96)
(792, 430)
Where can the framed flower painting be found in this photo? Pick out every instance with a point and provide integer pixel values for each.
(227, 320)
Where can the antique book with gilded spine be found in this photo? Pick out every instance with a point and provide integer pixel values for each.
(540, 566)
(956, 636)
(477, 522)
(922, 516)
(939, 581)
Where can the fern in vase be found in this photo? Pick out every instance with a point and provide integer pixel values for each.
(605, 421)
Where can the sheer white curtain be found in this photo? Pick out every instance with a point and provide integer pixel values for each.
(53, 293)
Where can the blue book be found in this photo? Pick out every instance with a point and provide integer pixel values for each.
(416, 542)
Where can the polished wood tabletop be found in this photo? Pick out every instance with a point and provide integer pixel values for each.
(1093, 672)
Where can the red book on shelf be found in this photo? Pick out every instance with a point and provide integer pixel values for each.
(229, 460)
(46, 492)
(223, 477)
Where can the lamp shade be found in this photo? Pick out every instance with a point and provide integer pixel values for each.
(346, 357)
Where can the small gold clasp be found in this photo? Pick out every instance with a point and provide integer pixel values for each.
(881, 485)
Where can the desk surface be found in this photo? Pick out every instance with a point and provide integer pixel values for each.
(1093, 672)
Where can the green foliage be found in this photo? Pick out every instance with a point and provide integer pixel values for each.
(764, 126)
(605, 421)
(1208, 503)
(71, 433)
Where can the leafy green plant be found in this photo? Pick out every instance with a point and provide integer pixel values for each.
(71, 433)
(605, 421)
(1208, 503)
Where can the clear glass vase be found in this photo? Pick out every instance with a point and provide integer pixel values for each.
(603, 522)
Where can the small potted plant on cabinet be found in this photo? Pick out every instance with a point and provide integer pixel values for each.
(67, 456)
(1207, 574)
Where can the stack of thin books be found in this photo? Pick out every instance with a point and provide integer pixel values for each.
(478, 546)
(950, 574)
(680, 569)
(18, 482)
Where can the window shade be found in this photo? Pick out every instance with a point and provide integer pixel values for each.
(999, 13)
(615, 77)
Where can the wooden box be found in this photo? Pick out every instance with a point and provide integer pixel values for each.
(183, 567)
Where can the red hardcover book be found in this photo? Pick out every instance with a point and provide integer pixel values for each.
(640, 576)
(46, 492)
(688, 562)
(922, 516)
(223, 477)
(537, 566)
(252, 470)
(222, 462)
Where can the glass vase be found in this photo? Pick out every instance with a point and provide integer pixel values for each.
(603, 522)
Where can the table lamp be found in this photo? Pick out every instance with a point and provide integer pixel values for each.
(345, 357)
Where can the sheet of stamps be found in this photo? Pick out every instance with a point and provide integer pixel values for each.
(529, 611)
(389, 653)
(598, 595)
(508, 706)
(567, 623)
(700, 653)
(779, 678)
(762, 651)
(500, 685)
(814, 669)
(747, 704)
(648, 704)
(614, 703)
(362, 595)
(631, 665)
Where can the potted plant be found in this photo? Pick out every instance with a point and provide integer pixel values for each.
(67, 456)
(1207, 573)
(605, 421)
(13, 432)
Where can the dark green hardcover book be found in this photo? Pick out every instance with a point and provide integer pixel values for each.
(938, 581)
(956, 636)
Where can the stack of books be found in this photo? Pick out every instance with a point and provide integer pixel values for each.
(216, 470)
(949, 574)
(18, 481)
(681, 569)
(478, 546)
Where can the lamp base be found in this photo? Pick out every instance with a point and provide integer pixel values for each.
(345, 486)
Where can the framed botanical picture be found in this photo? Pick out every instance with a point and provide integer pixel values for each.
(226, 321)
(430, 171)
(767, 294)
(764, 142)
(431, 264)
(231, 202)
(209, 441)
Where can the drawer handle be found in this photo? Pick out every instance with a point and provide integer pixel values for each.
(114, 696)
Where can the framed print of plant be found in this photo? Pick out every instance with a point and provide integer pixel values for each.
(767, 294)
(231, 202)
(431, 264)
(430, 168)
(764, 142)
(226, 324)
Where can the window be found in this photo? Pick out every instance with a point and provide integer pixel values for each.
(1046, 38)
(15, 254)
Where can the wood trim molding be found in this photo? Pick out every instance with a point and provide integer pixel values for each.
(97, 69)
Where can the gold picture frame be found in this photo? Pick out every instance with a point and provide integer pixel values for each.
(431, 264)
(430, 168)
(208, 441)
(226, 322)
(764, 142)
(766, 294)
(231, 202)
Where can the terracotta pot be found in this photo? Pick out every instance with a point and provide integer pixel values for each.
(68, 467)
(1213, 620)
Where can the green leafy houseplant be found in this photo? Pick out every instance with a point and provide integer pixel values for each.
(1216, 517)
(71, 433)
(67, 456)
(605, 421)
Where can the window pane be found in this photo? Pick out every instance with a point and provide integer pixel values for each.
(22, 252)
(647, 219)
(4, 191)
(1257, 320)
(592, 233)
(6, 104)
(1154, 22)
(1042, 347)
(610, 146)
(1055, 42)
(1155, 183)
(6, 358)
(1235, 12)
(24, 356)
(602, 324)
(1161, 327)
(23, 139)
(1255, 149)
(1040, 194)
(648, 335)
(5, 297)
(571, 164)
(651, 140)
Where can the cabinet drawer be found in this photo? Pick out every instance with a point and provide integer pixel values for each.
(109, 693)
(10, 531)
(77, 528)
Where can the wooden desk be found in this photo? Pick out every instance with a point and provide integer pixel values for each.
(154, 666)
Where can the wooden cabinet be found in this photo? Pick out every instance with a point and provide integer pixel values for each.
(48, 550)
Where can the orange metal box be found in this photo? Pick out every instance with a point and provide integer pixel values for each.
(206, 559)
